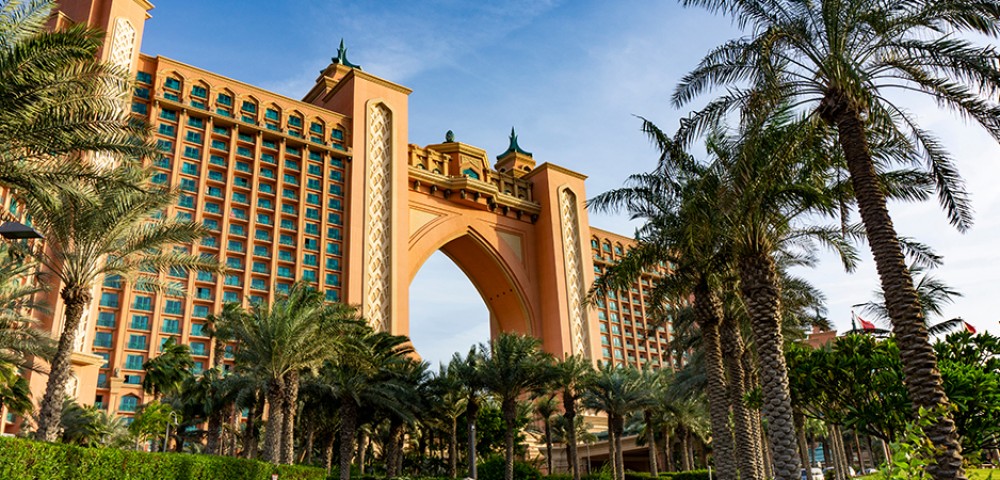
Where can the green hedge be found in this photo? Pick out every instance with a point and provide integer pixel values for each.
(24, 459)
(493, 469)
(689, 475)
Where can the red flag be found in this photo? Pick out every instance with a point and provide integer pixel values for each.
(970, 328)
(866, 325)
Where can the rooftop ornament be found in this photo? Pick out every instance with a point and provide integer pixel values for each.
(449, 137)
(341, 57)
(514, 147)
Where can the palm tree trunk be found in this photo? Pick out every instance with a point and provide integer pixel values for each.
(76, 299)
(289, 406)
(619, 451)
(668, 449)
(750, 381)
(214, 433)
(569, 413)
(328, 452)
(685, 450)
(393, 452)
(472, 412)
(453, 449)
(922, 378)
(362, 451)
(307, 453)
(800, 432)
(732, 353)
(759, 286)
(508, 407)
(768, 459)
(548, 444)
(348, 423)
(651, 441)
(275, 418)
(251, 436)
(857, 445)
(708, 314)
(612, 448)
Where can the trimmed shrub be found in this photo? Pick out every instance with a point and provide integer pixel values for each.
(492, 469)
(23, 460)
(689, 475)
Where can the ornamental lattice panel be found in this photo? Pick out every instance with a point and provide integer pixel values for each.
(378, 218)
(573, 263)
(122, 44)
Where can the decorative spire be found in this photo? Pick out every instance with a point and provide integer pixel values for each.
(449, 137)
(514, 147)
(341, 57)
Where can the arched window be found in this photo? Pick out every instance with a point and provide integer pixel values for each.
(129, 403)
(468, 172)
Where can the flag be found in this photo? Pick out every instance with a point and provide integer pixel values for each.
(970, 328)
(866, 325)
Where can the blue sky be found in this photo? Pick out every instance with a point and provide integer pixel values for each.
(571, 77)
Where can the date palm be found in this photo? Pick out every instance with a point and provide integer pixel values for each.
(451, 404)
(20, 338)
(570, 375)
(298, 330)
(167, 371)
(512, 366)
(840, 60)
(115, 230)
(546, 407)
(467, 369)
(59, 105)
(618, 392)
(363, 378)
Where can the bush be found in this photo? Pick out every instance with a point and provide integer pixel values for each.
(689, 475)
(24, 459)
(492, 469)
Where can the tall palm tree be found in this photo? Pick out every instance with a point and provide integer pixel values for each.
(618, 392)
(298, 330)
(570, 375)
(451, 403)
(681, 230)
(546, 407)
(467, 369)
(57, 103)
(167, 371)
(512, 366)
(838, 59)
(118, 230)
(362, 378)
(15, 393)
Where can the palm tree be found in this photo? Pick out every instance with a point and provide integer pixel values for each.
(15, 393)
(111, 231)
(838, 59)
(451, 403)
(570, 374)
(681, 228)
(20, 339)
(467, 369)
(277, 341)
(546, 407)
(58, 102)
(934, 295)
(616, 391)
(362, 378)
(167, 371)
(512, 366)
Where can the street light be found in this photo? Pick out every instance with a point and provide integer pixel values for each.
(18, 231)
(166, 437)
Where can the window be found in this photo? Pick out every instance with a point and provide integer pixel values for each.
(171, 325)
(197, 329)
(140, 322)
(240, 197)
(258, 284)
(193, 137)
(233, 281)
(106, 319)
(137, 342)
(260, 251)
(168, 130)
(286, 240)
(173, 84)
(198, 368)
(312, 199)
(224, 99)
(142, 302)
(109, 299)
(314, 184)
(102, 339)
(129, 403)
(211, 225)
(237, 230)
(199, 311)
(249, 106)
(234, 263)
(285, 255)
(192, 152)
(332, 296)
(165, 145)
(332, 279)
(244, 151)
(311, 244)
(292, 164)
(174, 307)
(189, 185)
(310, 259)
(168, 115)
(287, 224)
(265, 219)
(259, 267)
(309, 275)
(186, 201)
(196, 122)
(332, 264)
(140, 108)
(220, 145)
(134, 362)
(284, 272)
(315, 169)
(235, 246)
(199, 91)
(143, 77)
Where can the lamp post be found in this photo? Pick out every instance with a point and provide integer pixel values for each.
(166, 436)
(18, 231)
